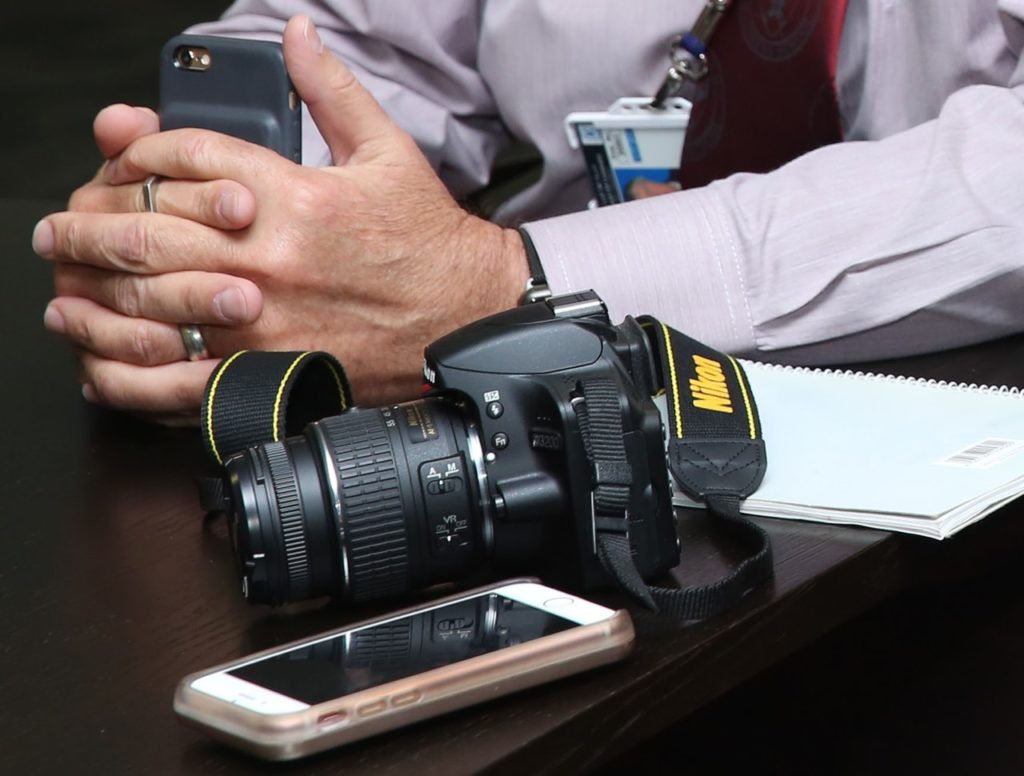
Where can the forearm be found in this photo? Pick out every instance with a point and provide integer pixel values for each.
(902, 245)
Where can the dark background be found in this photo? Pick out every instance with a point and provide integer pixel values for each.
(930, 682)
(62, 61)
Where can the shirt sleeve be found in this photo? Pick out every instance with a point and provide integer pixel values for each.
(856, 251)
(421, 65)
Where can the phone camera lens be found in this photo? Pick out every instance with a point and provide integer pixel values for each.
(192, 58)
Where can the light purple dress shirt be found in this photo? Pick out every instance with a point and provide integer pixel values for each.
(908, 237)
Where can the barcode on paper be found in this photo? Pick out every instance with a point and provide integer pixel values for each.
(984, 454)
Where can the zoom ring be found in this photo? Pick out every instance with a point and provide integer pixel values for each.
(372, 521)
(289, 507)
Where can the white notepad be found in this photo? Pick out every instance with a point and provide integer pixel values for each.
(903, 454)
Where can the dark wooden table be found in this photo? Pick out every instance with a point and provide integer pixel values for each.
(112, 587)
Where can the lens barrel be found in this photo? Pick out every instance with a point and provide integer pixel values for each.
(363, 505)
(372, 533)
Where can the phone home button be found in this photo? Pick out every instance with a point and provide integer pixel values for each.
(560, 602)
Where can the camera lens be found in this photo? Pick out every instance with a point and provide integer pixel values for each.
(363, 505)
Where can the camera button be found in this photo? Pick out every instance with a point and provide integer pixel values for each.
(495, 409)
(500, 440)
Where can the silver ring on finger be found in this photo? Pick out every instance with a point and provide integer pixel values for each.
(191, 336)
(149, 193)
(192, 339)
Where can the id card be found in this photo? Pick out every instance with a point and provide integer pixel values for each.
(627, 142)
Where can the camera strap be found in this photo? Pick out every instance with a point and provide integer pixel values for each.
(257, 396)
(716, 456)
(715, 451)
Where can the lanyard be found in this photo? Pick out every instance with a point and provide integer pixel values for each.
(687, 53)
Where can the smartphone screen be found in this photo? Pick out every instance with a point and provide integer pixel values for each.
(348, 662)
(383, 653)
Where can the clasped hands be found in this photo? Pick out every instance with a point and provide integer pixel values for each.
(369, 259)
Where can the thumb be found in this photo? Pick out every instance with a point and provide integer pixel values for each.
(345, 113)
(116, 126)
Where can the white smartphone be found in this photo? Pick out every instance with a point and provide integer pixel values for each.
(347, 684)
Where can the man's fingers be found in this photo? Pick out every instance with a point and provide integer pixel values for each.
(102, 332)
(644, 188)
(175, 297)
(168, 388)
(116, 126)
(345, 113)
(222, 204)
(193, 154)
(148, 243)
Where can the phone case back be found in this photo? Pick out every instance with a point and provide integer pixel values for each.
(244, 92)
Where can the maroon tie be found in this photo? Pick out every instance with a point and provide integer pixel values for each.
(770, 94)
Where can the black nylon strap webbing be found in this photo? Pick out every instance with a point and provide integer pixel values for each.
(715, 443)
(614, 552)
(703, 601)
(715, 451)
(257, 396)
(612, 473)
(716, 456)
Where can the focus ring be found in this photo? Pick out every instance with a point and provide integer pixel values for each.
(289, 508)
(372, 521)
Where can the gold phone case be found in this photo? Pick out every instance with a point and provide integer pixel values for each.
(404, 701)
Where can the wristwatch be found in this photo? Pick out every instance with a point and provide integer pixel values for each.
(537, 289)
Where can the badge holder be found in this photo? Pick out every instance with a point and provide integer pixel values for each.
(629, 141)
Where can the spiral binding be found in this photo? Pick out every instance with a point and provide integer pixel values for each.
(929, 382)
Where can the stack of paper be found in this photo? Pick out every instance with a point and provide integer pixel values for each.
(917, 456)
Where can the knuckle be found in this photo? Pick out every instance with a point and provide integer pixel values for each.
(129, 163)
(195, 302)
(133, 245)
(83, 199)
(125, 295)
(67, 237)
(342, 81)
(308, 198)
(194, 148)
(207, 204)
(142, 345)
(80, 331)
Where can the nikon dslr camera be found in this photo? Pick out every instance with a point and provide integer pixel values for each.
(491, 473)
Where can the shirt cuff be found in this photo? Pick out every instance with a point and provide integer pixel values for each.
(672, 256)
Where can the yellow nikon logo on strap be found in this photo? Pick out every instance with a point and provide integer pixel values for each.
(709, 390)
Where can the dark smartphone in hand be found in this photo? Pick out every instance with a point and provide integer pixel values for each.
(231, 85)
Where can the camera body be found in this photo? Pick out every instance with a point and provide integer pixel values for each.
(520, 375)
(488, 474)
